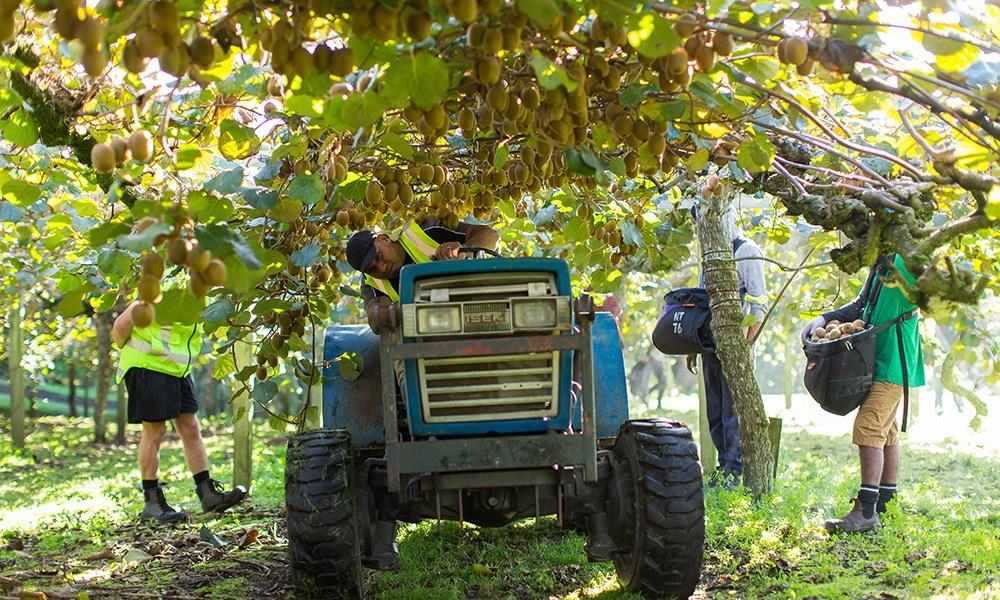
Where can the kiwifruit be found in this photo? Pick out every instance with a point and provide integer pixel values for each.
(198, 257)
(677, 61)
(623, 125)
(94, 61)
(149, 288)
(782, 50)
(686, 24)
(102, 158)
(858, 324)
(343, 218)
(440, 175)
(796, 51)
(203, 52)
(90, 32)
(152, 265)
(722, 43)
(436, 116)
(163, 15)
(492, 40)
(511, 38)
(302, 62)
(466, 11)
(149, 42)
(324, 273)
(143, 314)
(373, 193)
(467, 121)
(122, 153)
(692, 44)
(618, 36)
(405, 194)
(497, 96)
(261, 373)
(657, 144)
(385, 21)
(141, 145)
(705, 59)
(488, 70)
(342, 62)
(175, 60)
(418, 25)
(640, 130)
(7, 26)
(132, 58)
(177, 251)
(834, 334)
(426, 173)
(806, 68)
(474, 35)
(215, 272)
(197, 284)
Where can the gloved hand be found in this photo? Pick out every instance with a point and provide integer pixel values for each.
(812, 325)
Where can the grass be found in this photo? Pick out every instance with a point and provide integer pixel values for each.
(64, 502)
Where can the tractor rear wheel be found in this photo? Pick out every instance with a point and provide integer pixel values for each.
(656, 509)
(323, 541)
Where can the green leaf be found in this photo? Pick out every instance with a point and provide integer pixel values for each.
(223, 241)
(239, 278)
(422, 79)
(263, 391)
(276, 423)
(208, 208)
(226, 182)
(236, 141)
(114, 263)
(576, 230)
(576, 163)
(306, 256)
(755, 155)
(20, 129)
(179, 305)
(306, 106)
(188, 156)
(633, 94)
(350, 365)
(543, 12)
(143, 240)
(21, 192)
(500, 156)
(993, 203)
(653, 36)
(674, 109)
(308, 189)
(549, 74)
(10, 213)
(97, 236)
(218, 311)
(71, 304)
(760, 68)
(224, 365)
(398, 143)
(697, 161)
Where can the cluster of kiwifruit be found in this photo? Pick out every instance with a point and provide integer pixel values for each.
(795, 51)
(286, 41)
(159, 36)
(289, 322)
(74, 22)
(104, 157)
(148, 288)
(835, 330)
(204, 271)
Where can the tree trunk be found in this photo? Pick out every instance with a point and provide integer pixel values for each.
(722, 284)
(71, 384)
(85, 396)
(121, 415)
(243, 422)
(15, 346)
(102, 322)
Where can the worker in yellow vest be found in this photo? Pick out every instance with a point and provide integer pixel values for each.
(380, 257)
(155, 364)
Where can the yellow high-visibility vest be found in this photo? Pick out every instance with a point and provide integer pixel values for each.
(419, 246)
(165, 349)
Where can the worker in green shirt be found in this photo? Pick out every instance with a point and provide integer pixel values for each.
(875, 431)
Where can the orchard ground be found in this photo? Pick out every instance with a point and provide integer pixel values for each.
(67, 526)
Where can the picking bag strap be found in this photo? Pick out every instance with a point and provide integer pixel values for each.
(906, 380)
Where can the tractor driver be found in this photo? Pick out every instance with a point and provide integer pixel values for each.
(380, 257)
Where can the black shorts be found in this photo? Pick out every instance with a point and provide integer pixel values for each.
(155, 396)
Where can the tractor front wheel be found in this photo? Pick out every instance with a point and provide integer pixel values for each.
(323, 541)
(656, 509)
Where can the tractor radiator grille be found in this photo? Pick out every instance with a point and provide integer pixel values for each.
(489, 388)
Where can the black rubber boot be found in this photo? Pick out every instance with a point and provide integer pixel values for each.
(215, 499)
(385, 552)
(157, 509)
(600, 547)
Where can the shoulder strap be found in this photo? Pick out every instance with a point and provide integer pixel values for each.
(874, 289)
(737, 243)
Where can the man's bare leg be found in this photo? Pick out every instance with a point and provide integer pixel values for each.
(189, 430)
(155, 505)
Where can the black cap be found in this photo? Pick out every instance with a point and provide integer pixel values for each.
(361, 250)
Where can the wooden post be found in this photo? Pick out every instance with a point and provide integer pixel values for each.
(774, 434)
(15, 348)
(314, 395)
(243, 422)
(121, 415)
(791, 339)
(709, 455)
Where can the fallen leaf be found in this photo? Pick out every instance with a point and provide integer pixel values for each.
(8, 583)
(104, 554)
(207, 535)
(135, 555)
(481, 570)
(31, 595)
(248, 538)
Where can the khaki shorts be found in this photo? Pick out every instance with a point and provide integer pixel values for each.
(875, 423)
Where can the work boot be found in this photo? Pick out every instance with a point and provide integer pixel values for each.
(385, 553)
(853, 522)
(600, 547)
(215, 499)
(157, 509)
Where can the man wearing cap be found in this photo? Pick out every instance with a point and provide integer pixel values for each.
(380, 257)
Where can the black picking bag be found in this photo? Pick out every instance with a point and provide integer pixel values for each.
(839, 374)
(684, 326)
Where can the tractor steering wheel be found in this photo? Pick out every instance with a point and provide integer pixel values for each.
(474, 249)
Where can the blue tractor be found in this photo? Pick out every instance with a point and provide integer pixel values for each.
(490, 395)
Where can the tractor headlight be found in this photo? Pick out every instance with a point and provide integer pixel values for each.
(535, 314)
(439, 319)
